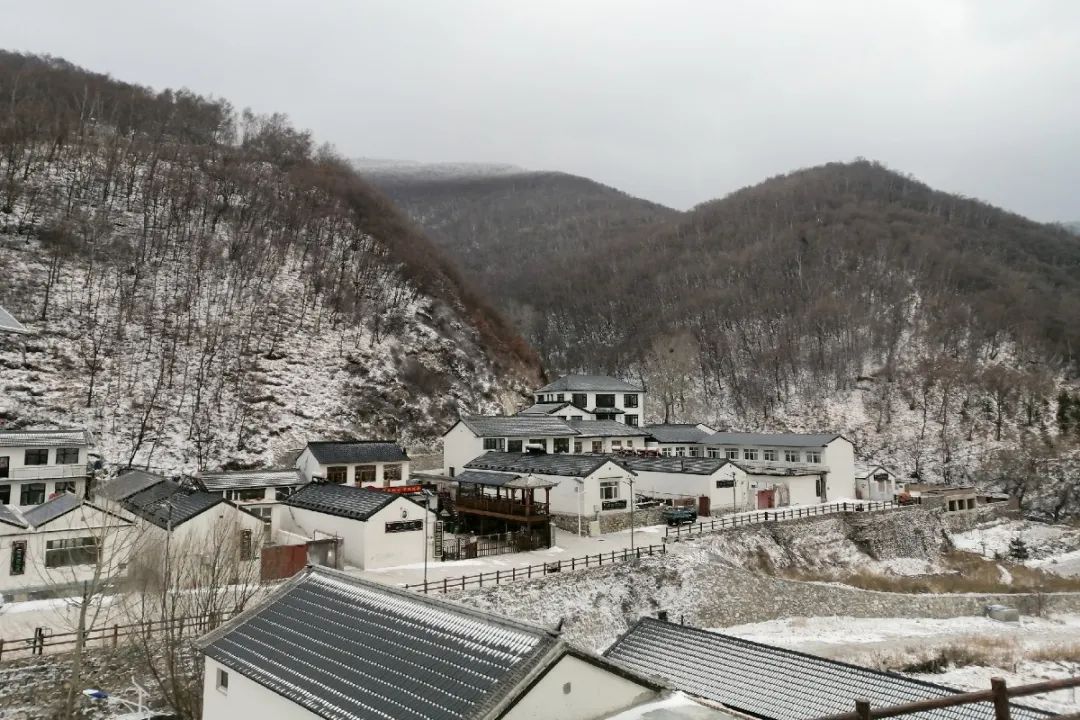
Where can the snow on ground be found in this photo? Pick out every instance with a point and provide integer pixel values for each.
(978, 678)
(676, 706)
(1055, 548)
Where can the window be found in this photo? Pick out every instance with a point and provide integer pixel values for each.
(768, 455)
(37, 457)
(631, 420)
(513, 446)
(264, 513)
(365, 473)
(65, 486)
(609, 490)
(630, 444)
(575, 418)
(580, 400)
(560, 397)
(5, 463)
(791, 456)
(666, 452)
(819, 487)
(245, 545)
(5, 494)
(282, 493)
(714, 452)
(577, 446)
(72, 551)
(630, 401)
(598, 446)
(67, 456)
(32, 494)
(404, 526)
(494, 444)
(680, 451)
(337, 474)
(813, 456)
(605, 400)
(725, 483)
(247, 494)
(731, 453)
(694, 452)
(562, 445)
(391, 473)
(222, 681)
(616, 444)
(18, 557)
(749, 454)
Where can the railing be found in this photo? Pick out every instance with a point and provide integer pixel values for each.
(998, 694)
(529, 571)
(503, 506)
(47, 472)
(106, 635)
(763, 516)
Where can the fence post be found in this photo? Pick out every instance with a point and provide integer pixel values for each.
(513, 573)
(1, 648)
(444, 585)
(115, 634)
(1001, 698)
(862, 709)
(497, 576)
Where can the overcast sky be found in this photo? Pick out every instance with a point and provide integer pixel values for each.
(678, 102)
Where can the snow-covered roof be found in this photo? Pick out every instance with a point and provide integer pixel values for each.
(11, 516)
(481, 477)
(167, 504)
(865, 470)
(606, 428)
(128, 483)
(543, 408)
(517, 426)
(589, 383)
(678, 433)
(8, 323)
(545, 464)
(71, 437)
(807, 440)
(341, 500)
(216, 482)
(330, 452)
(668, 464)
(60, 505)
(771, 682)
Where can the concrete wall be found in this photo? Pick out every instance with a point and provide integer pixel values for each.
(577, 690)
(245, 698)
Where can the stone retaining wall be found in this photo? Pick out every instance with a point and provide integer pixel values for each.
(608, 523)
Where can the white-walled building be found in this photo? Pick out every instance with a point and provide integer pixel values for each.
(605, 398)
(328, 645)
(55, 547)
(564, 410)
(36, 465)
(376, 528)
(670, 479)
(362, 463)
(875, 482)
(257, 491)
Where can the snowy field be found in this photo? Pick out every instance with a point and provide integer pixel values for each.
(1055, 548)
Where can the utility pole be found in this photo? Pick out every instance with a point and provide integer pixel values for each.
(633, 502)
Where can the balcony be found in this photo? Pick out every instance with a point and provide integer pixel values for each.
(482, 504)
(47, 472)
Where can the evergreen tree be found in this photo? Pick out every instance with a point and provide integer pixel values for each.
(1064, 412)
(1018, 550)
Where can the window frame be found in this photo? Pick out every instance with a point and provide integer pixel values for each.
(731, 454)
(65, 486)
(76, 551)
(560, 445)
(332, 471)
(630, 400)
(496, 444)
(366, 473)
(393, 472)
(283, 492)
(582, 397)
(24, 490)
(63, 459)
(813, 457)
(789, 454)
(5, 466)
(607, 404)
(515, 446)
(713, 453)
(768, 454)
(597, 446)
(631, 420)
(221, 681)
(750, 454)
(606, 485)
(37, 455)
(18, 552)
(577, 447)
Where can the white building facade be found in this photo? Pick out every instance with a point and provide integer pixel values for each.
(361, 463)
(604, 397)
(36, 465)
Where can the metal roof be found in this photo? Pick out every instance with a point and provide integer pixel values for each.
(517, 426)
(330, 452)
(46, 438)
(478, 477)
(216, 482)
(346, 648)
(551, 464)
(127, 484)
(589, 383)
(544, 408)
(344, 501)
(776, 683)
(168, 504)
(678, 433)
(8, 323)
(11, 516)
(62, 504)
(605, 428)
(810, 440)
(666, 464)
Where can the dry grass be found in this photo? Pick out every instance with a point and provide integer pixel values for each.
(967, 651)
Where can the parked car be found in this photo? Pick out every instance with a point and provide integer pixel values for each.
(680, 515)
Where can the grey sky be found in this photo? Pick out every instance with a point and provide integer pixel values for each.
(678, 102)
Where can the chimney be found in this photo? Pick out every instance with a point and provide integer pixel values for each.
(661, 615)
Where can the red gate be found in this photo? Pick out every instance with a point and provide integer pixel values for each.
(282, 561)
(703, 506)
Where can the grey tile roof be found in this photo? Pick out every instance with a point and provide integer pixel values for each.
(678, 433)
(46, 438)
(775, 683)
(8, 323)
(606, 428)
(517, 426)
(340, 500)
(62, 504)
(346, 648)
(216, 482)
(480, 477)
(330, 452)
(809, 440)
(551, 464)
(589, 383)
(133, 481)
(167, 503)
(543, 408)
(11, 516)
(686, 465)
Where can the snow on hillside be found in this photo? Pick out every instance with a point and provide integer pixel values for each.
(433, 171)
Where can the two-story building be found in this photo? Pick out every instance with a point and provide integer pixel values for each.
(36, 465)
(257, 491)
(363, 463)
(603, 397)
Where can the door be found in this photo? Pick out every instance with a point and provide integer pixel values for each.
(765, 499)
(703, 506)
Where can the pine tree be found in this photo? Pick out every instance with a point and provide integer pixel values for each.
(1064, 412)
(1018, 550)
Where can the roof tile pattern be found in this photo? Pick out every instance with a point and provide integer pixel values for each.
(810, 440)
(543, 408)
(47, 512)
(216, 482)
(678, 433)
(589, 383)
(666, 464)
(346, 648)
(517, 426)
(331, 452)
(341, 500)
(606, 428)
(167, 504)
(775, 683)
(133, 481)
(557, 464)
(10, 516)
(73, 437)
(479, 477)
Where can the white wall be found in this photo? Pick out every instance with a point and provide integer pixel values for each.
(606, 443)
(839, 456)
(19, 472)
(673, 484)
(246, 698)
(577, 690)
(316, 526)
(566, 499)
(460, 446)
(310, 467)
(590, 404)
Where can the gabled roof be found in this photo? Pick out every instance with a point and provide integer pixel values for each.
(46, 438)
(11, 516)
(346, 648)
(776, 683)
(167, 504)
(678, 433)
(517, 426)
(667, 464)
(606, 428)
(865, 470)
(809, 440)
(8, 323)
(481, 477)
(331, 452)
(543, 408)
(128, 483)
(589, 383)
(341, 500)
(549, 464)
(62, 504)
(216, 482)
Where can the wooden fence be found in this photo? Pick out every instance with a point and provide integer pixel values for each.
(106, 635)
(497, 577)
(762, 516)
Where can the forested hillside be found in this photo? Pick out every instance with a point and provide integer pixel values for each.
(208, 287)
(934, 329)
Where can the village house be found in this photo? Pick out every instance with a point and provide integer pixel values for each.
(875, 482)
(53, 548)
(373, 528)
(953, 498)
(328, 645)
(605, 398)
(8, 324)
(36, 465)
(363, 463)
(564, 410)
(714, 486)
(588, 493)
(504, 503)
(257, 491)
